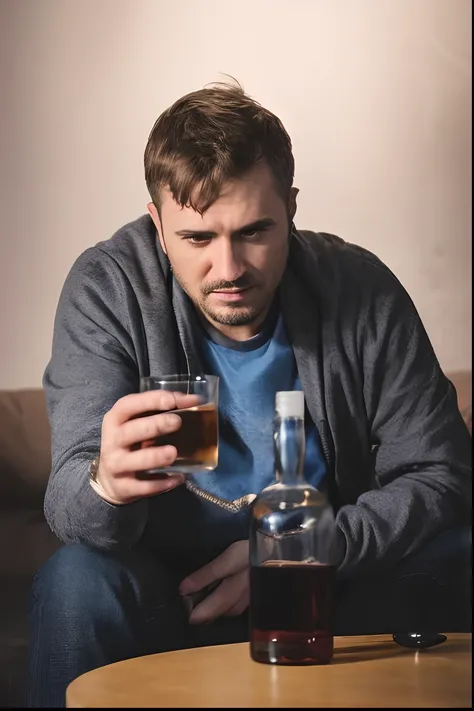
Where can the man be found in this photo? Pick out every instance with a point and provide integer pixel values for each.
(217, 279)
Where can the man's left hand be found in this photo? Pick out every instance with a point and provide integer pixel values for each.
(231, 597)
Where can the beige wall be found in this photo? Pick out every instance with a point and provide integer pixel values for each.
(375, 93)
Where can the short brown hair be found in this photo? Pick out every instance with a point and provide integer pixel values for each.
(209, 137)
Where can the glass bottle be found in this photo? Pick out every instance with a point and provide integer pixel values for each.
(294, 550)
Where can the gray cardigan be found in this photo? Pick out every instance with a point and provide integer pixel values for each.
(397, 450)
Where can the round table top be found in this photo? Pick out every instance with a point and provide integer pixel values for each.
(368, 671)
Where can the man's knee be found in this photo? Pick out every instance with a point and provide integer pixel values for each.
(81, 578)
(73, 577)
(89, 608)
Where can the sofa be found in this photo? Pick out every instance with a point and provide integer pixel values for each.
(25, 538)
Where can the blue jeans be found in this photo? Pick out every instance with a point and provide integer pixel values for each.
(90, 608)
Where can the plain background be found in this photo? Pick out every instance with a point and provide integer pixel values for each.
(376, 95)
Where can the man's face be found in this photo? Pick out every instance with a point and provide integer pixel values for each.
(230, 259)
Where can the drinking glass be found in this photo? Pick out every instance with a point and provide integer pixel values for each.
(197, 440)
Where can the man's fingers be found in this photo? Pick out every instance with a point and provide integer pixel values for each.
(213, 606)
(231, 594)
(184, 400)
(201, 578)
(151, 401)
(240, 607)
(147, 428)
(144, 459)
(231, 561)
(139, 403)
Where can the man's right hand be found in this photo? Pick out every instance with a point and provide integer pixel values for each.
(123, 427)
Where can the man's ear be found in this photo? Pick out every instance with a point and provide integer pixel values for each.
(153, 212)
(292, 203)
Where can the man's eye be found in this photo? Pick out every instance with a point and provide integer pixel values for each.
(249, 234)
(197, 239)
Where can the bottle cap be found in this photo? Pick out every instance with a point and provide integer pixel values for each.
(290, 403)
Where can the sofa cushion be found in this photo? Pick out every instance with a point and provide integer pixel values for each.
(25, 459)
(26, 542)
(14, 596)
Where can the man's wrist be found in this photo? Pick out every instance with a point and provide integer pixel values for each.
(100, 491)
(97, 486)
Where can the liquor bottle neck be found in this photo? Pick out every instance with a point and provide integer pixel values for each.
(289, 440)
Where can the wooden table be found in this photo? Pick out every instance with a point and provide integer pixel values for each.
(365, 672)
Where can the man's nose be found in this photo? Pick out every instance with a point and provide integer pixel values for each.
(227, 263)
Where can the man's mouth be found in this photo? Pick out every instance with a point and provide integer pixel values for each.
(231, 294)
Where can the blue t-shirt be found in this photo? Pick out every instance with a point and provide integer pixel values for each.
(251, 373)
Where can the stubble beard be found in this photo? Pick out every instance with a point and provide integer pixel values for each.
(229, 316)
(225, 316)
